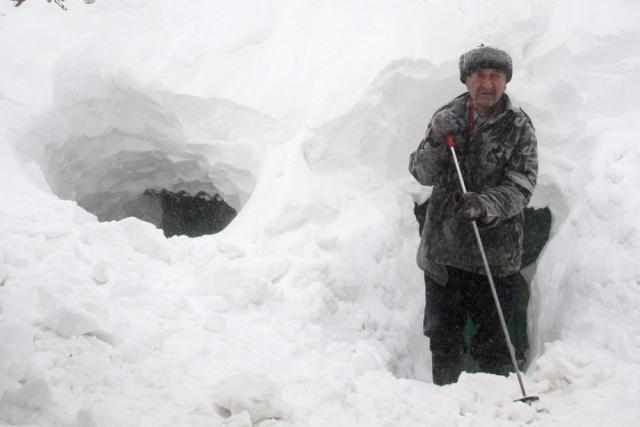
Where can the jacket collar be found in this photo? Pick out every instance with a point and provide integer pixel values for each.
(460, 107)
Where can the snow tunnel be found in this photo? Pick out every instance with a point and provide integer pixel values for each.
(183, 163)
(381, 131)
(176, 196)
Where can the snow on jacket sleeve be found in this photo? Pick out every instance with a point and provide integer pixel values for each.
(428, 163)
(514, 192)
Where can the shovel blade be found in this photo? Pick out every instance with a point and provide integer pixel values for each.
(528, 399)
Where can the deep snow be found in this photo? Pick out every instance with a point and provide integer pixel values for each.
(306, 310)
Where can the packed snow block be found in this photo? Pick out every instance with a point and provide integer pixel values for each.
(254, 393)
(4, 276)
(132, 233)
(84, 418)
(70, 321)
(15, 351)
(109, 411)
(99, 272)
(23, 404)
(243, 419)
(146, 239)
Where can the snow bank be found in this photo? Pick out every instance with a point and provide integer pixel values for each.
(251, 394)
(302, 114)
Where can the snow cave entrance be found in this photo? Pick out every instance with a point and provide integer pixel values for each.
(174, 196)
(183, 163)
(190, 215)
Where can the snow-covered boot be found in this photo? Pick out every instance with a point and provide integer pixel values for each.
(445, 367)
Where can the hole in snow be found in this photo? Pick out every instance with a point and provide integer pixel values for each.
(183, 163)
(182, 213)
(176, 196)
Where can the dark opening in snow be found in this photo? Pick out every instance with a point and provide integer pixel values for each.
(191, 215)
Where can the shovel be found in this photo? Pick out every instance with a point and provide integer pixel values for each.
(526, 399)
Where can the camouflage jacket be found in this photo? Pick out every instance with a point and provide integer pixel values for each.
(499, 162)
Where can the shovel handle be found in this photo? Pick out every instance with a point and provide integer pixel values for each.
(527, 399)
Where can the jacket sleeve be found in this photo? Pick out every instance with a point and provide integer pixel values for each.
(519, 180)
(427, 163)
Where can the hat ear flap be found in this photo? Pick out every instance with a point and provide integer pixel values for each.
(463, 70)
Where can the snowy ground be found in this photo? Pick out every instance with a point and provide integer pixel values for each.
(306, 310)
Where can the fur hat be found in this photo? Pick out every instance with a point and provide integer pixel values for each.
(485, 57)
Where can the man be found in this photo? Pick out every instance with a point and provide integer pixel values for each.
(496, 148)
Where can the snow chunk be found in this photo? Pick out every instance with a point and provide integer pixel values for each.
(16, 350)
(243, 419)
(99, 273)
(521, 412)
(254, 393)
(21, 405)
(70, 320)
(4, 275)
(102, 413)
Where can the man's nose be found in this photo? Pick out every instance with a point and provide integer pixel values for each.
(486, 83)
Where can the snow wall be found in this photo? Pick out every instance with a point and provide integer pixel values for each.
(303, 115)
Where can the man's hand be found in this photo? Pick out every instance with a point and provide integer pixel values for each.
(442, 124)
(469, 207)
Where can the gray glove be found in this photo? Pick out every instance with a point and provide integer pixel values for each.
(469, 207)
(442, 124)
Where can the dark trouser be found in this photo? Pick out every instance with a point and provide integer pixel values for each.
(446, 310)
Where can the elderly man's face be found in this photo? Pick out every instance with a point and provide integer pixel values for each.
(486, 87)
